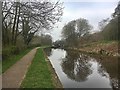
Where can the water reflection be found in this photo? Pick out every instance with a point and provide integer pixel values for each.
(78, 70)
(108, 66)
(48, 51)
(76, 66)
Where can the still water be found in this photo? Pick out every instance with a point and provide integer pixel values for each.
(78, 70)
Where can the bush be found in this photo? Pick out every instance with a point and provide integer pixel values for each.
(10, 50)
(15, 50)
(6, 52)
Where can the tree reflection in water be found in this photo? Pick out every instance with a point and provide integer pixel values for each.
(108, 67)
(76, 66)
(84, 67)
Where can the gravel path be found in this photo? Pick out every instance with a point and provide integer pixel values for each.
(13, 77)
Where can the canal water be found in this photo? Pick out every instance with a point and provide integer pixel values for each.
(78, 70)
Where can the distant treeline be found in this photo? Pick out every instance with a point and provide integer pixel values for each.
(108, 33)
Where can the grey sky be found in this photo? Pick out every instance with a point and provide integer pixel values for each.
(92, 10)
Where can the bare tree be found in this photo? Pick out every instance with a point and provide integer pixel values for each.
(35, 15)
(103, 23)
(74, 30)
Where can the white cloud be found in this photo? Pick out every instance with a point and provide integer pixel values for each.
(93, 14)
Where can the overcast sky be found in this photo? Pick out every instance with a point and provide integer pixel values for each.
(92, 10)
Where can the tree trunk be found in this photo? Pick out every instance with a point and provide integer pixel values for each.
(13, 30)
(16, 33)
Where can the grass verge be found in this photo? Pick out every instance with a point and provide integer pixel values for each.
(55, 78)
(12, 60)
(38, 75)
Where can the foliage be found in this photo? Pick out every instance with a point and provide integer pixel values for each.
(74, 30)
(110, 32)
(103, 23)
(46, 40)
(8, 51)
(59, 43)
(83, 27)
(68, 29)
(27, 18)
(42, 40)
(22, 20)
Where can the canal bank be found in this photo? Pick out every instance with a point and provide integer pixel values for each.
(104, 48)
(55, 78)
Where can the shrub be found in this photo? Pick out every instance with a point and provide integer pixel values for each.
(10, 50)
(6, 52)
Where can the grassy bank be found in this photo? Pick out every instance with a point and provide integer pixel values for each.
(105, 48)
(55, 78)
(12, 60)
(109, 48)
(38, 75)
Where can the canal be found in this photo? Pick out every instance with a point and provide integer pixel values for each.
(79, 70)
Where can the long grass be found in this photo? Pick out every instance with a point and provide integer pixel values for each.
(12, 60)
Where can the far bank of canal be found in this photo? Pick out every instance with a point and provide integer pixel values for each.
(78, 70)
